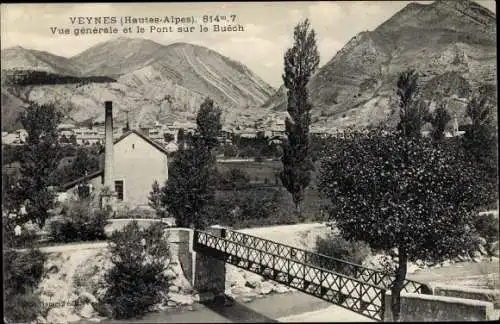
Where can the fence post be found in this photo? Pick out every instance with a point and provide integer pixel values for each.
(210, 272)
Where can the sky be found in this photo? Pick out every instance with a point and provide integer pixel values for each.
(268, 27)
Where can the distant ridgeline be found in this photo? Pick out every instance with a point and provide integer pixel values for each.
(29, 77)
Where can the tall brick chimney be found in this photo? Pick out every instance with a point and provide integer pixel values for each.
(108, 145)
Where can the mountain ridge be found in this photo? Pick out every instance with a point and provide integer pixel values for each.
(154, 81)
(445, 40)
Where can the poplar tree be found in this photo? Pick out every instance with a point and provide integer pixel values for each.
(300, 61)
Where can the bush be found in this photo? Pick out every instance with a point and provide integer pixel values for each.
(487, 227)
(22, 274)
(10, 239)
(80, 222)
(340, 248)
(234, 179)
(136, 280)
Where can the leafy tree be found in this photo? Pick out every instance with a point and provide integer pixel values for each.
(301, 61)
(413, 111)
(410, 195)
(40, 158)
(439, 120)
(189, 189)
(168, 137)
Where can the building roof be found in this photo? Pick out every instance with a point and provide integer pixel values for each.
(101, 171)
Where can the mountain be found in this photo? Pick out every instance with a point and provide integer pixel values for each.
(21, 58)
(153, 82)
(447, 42)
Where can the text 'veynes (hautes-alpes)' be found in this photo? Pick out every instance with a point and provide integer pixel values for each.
(215, 23)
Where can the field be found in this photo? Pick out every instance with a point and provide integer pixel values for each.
(258, 172)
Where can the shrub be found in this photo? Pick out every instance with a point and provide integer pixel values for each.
(234, 179)
(80, 222)
(22, 274)
(136, 280)
(10, 239)
(340, 248)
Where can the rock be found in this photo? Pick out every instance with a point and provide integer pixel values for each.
(265, 288)
(183, 300)
(86, 297)
(411, 267)
(62, 315)
(40, 319)
(246, 299)
(267, 272)
(476, 255)
(196, 298)
(446, 263)
(482, 250)
(494, 248)
(95, 319)
(252, 280)
(86, 311)
(420, 263)
(171, 303)
(237, 279)
(240, 290)
(280, 289)
(183, 284)
(170, 274)
(174, 289)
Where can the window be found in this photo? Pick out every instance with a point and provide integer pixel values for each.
(119, 189)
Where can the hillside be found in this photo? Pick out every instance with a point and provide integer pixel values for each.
(153, 81)
(448, 42)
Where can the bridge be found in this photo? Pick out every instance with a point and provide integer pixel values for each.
(354, 287)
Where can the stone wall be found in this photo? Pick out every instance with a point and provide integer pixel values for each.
(426, 308)
(181, 242)
(489, 295)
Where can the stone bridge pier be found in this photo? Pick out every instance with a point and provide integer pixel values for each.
(206, 274)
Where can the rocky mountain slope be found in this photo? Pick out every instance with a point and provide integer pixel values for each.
(452, 44)
(154, 82)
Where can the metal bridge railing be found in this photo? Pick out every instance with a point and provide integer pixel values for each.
(368, 275)
(277, 263)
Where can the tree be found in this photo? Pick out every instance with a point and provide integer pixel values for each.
(181, 137)
(155, 198)
(301, 61)
(409, 195)
(40, 158)
(439, 120)
(413, 112)
(480, 140)
(168, 137)
(190, 188)
(209, 123)
(72, 139)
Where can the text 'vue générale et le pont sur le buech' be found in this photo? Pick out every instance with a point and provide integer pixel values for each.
(79, 26)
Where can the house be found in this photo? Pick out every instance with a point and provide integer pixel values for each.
(132, 163)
